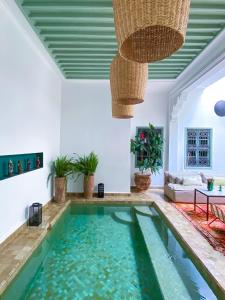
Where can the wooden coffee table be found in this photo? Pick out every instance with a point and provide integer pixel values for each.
(208, 194)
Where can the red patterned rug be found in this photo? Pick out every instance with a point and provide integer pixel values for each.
(214, 233)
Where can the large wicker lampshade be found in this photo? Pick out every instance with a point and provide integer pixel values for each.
(128, 80)
(120, 111)
(150, 30)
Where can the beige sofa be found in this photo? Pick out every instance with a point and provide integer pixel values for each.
(177, 191)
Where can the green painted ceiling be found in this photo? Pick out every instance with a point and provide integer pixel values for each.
(80, 35)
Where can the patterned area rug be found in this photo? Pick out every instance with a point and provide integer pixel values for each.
(214, 233)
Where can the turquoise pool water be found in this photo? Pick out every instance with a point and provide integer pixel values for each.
(98, 253)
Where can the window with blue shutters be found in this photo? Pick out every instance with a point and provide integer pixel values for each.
(198, 147)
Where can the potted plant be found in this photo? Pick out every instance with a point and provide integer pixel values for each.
(87, 166)
(61, 169)
(149, 146)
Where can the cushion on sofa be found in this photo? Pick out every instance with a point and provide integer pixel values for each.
(178, 178)
(169, 178)
(192, 180)
(181, 187)
(219, 180)
(204, 177)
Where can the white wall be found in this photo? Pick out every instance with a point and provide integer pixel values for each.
(198, 111)
(30, 119)
(154, 110)
(87, 125)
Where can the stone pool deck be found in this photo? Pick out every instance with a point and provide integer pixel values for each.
(16, 250)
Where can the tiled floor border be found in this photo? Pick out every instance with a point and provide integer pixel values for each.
(205, 257)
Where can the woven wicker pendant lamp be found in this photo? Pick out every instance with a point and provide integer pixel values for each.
(120, 111)
(150, 30)
(128, 81)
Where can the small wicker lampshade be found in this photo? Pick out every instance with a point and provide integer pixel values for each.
(128, 81)
(150, 30)
(120, 111)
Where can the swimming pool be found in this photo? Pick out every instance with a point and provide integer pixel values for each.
(96, 252)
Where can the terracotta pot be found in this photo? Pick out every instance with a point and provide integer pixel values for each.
(142, 181)
(60, 189)
(88, 186)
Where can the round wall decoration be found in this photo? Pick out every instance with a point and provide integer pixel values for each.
(150, 30)
(219, 108)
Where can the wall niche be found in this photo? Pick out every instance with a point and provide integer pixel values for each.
(18, 164)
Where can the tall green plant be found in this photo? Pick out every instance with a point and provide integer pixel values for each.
(86, 164)
(62, 167)
(149, 142)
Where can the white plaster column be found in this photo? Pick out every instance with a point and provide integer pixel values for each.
(175, 135)
(173, 144)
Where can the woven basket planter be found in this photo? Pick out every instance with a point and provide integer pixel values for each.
(128, 81)
(120, 111)
(150, 30)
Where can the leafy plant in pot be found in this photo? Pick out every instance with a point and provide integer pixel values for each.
(62, 167)
(87, 166)
(148, 144)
